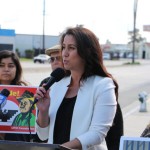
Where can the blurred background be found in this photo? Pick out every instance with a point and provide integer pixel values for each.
(122, 26)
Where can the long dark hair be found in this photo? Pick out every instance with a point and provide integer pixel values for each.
(89, 50)
(10, 54)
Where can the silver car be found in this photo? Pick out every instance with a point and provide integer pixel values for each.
(41, 58)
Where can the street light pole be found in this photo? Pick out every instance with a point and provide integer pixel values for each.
(43, 25)
(134, 28)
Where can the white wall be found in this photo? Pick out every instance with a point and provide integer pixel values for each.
(24, 42)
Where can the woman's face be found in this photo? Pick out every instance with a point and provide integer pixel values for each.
(71, 59)
(7, 71)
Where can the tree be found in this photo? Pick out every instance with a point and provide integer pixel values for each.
(138, 37)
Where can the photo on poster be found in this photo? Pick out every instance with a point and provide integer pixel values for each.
(15, 109)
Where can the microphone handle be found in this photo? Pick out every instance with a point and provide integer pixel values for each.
(50, 82)
(35, 101)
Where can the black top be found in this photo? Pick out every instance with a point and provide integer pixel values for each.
(63, 121)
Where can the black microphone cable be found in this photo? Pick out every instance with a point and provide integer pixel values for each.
(30, 135)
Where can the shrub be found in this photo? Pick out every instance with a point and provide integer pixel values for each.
(29, 53)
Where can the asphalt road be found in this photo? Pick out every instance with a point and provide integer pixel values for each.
(132, 79)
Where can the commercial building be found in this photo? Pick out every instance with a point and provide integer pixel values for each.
(7, 39)
(22, 42)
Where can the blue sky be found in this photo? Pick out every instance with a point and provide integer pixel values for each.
(108, 19)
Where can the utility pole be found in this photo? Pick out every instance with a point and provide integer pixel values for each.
(134, 28)
(43, 25)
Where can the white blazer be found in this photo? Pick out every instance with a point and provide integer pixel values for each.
(93, 113)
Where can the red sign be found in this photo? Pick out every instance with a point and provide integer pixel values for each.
(16, 115)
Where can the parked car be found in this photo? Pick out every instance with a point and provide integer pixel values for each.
(41, 58)
(130, 55)
(106, 56)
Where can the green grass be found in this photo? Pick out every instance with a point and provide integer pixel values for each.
(131, 63)
(25, 59)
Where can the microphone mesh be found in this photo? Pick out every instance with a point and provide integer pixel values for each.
(5, 92)
(58, 74)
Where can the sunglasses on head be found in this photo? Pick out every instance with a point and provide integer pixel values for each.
(52, 59)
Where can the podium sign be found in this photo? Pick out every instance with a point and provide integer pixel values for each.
(19, 145)
(134, 143)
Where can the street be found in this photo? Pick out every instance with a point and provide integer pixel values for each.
(132, 79)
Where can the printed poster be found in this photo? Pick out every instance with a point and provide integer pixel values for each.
(16, 112)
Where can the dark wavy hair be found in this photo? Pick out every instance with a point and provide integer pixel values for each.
(89, 50)
(10, 54)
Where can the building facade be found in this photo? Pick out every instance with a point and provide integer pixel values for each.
(22, 42)
(7, 39)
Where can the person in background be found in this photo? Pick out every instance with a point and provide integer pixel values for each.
(55, 59)
(146, 132)
(11, 74)
(78, 111)
(55, 56)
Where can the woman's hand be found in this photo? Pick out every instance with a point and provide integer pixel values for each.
(43, 106)
(43, 99)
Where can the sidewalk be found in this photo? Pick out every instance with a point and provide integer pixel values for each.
(135, 121)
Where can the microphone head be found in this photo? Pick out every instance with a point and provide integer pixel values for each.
(5, 92)
(58, 74)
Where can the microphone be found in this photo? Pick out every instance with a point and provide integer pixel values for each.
(3, 97)
(55, 76)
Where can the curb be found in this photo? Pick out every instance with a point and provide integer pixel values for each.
(132, 108)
